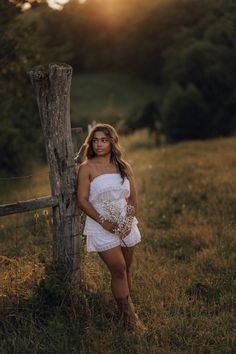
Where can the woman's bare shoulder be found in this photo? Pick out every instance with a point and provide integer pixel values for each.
(84, 168)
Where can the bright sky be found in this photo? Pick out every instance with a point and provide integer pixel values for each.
(113, 8)
(58, 4)
(54, 4)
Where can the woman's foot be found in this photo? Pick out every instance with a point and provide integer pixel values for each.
(136, 325)
(127, 313)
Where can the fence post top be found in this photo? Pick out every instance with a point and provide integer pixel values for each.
(40, 72)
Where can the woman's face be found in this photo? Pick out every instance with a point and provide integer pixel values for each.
(101, 144)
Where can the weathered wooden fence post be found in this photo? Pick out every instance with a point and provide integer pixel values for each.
(52, 87)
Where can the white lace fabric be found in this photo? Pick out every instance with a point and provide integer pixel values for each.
(108, 186)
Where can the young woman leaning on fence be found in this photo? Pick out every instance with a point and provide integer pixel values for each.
(108, 196)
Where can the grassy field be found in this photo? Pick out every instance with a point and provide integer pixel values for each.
(113, 97)
(183, 272)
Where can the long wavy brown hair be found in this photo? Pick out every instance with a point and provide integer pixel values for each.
(116, 154)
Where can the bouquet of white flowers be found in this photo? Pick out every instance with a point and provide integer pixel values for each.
(123, 218)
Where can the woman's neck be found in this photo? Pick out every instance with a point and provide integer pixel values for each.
(103, 160)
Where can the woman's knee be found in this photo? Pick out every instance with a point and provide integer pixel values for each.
(119, 270)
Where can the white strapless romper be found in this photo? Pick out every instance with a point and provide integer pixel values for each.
(108, 187)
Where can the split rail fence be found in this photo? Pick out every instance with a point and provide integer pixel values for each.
(52, 89)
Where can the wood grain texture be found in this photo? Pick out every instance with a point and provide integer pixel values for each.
(52, 88)
(28, 205)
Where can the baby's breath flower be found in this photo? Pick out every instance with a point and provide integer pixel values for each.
(122, 218)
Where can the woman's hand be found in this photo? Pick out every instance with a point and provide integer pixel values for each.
(126, 230)
(109, 226)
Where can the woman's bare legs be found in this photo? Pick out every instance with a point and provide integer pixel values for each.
(118, 262)
(128, 253)
(115, 262)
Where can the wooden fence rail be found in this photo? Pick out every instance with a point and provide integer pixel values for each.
(28, 205)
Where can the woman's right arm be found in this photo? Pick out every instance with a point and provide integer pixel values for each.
(83, 186)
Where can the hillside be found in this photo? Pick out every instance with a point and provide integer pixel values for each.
(183, 271)
(107, 97)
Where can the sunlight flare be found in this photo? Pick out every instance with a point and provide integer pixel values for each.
(57, 4)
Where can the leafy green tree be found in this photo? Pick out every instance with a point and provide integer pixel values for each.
(24, 43)
(205, 56)
(185, 114)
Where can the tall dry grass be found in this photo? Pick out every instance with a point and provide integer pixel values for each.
(183, 272)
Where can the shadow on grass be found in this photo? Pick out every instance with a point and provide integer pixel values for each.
(46, 322)
(59, 318)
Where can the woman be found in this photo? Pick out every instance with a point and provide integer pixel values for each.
(104, 176)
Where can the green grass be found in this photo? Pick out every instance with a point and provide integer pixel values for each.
(183, 272)
(113, 97)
